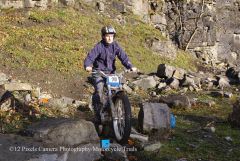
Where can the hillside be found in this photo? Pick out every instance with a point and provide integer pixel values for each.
(35, 43)
(187, 55)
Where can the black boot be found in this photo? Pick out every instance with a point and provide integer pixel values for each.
(97, 110)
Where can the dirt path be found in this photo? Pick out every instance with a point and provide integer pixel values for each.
(74, 86)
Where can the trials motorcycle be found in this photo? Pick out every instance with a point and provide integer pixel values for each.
(116, 111)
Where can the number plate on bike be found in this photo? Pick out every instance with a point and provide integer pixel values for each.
(113, 81)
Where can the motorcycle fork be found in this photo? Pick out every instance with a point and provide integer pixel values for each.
(110, 99)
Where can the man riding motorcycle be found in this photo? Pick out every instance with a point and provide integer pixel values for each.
(102, 57)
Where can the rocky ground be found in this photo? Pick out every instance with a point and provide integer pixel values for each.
(37, 125)
(44, 112)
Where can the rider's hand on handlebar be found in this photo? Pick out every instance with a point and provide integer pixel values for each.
(89, 69)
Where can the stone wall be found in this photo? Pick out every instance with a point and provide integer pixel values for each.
(207, 28)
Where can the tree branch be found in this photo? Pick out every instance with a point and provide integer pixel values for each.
(195, 30)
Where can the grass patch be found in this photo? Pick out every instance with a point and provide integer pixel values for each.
(61, 38)
(191, 139)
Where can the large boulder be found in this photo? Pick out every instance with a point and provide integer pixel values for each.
(18, 148)
(64, 131)
(154, 116)
(146, 83)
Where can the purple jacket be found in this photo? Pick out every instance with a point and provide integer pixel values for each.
(102, 56)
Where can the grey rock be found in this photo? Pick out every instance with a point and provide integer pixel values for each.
(63, 131)
(7, 142)
(174, 83)
(154, 116)
(18, 87)
(43, 4)
(153, 147)
(158, 19)
(228, 138)
(88, 1)
(62, 104)
(211, 129)
(176, 100)
(146, 83)
(100, 6)
(228, 94)
(119, 7)
(233, 73)
(163, 48)
(3, 78)
(139, 8)
(29, 3)
(89, 152)
(68, 2)
(153, 94)
(127, 89)
(45, 95)
(119, 154)
(223, 82)
(49, 157)
(77, 103)
(138, 136)
(30, 150)
(179, 73)
(217, 93)
(162, 85)
(11, 4)
(165, 71)
(187, 81)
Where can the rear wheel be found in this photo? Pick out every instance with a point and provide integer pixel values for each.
(122, 121)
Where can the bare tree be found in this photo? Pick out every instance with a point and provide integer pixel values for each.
(196, 23)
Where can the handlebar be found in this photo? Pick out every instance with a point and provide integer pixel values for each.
(102, 73)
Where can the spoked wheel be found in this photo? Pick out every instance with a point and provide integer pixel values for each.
(122, 121)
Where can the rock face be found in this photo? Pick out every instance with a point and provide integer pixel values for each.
(163, 48)
(214, 36)
(154, 116)
(64, 131)
(209, 29)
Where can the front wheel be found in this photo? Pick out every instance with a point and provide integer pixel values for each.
(122, 120)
